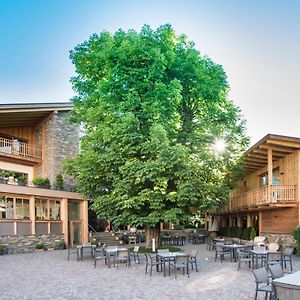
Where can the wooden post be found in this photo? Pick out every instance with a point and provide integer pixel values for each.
(64, 218)
(32, 214)
(249, 221)
(260, 223)
(85, 230)
(270, 175)
(239, 221)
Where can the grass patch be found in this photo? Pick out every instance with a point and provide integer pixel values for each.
(143, 249)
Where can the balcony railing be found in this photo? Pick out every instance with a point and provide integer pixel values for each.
(275, 194)
(20, 149)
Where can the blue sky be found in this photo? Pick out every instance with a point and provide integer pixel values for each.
(257, 42)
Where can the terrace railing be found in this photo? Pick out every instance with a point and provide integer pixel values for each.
(264, 196)
(20, 149)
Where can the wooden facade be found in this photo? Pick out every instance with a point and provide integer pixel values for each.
(274, 204)
(26, 210)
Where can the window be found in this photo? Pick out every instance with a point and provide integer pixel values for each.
(6, 208)
(41, 209)
(55, 210)
(22, 208)
(74, 210)
(47, 209)
(275, 180)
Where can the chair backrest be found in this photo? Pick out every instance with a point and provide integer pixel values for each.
(288, 251)
(194, 253)
(276, 270)
(122, 253)
(219, 247)
(136, 249)
(163, 250)
(274, 256)
(182, 259)
(261, 275)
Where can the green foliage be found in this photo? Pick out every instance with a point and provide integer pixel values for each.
(59, 182)
(40, 246)
(39, 181)
(59, 244)
(252, 233)
(239, 232)
(228, 232)
(152, 106)
(246, 233)
(2, 247)
(296, 234)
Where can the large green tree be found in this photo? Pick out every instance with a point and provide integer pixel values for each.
(152, 108)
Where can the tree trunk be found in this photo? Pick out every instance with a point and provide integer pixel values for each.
(153, 233)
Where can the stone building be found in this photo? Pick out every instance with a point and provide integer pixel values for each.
(35, 139)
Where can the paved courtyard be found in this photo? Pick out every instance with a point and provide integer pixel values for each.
(48, 275)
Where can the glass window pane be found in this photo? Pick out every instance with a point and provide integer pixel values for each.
(22, 208)
(2, 208)
(54, 210)
(74, 210)
(9, 208)
(41, 209)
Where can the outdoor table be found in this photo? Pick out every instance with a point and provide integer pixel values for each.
(168, 256)
(112, 251)
(288, 286)
(80, 249)
(218, 240)
(233, 248)
(256, 254)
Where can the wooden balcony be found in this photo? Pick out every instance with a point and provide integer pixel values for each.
(13, 149)
(265, 197)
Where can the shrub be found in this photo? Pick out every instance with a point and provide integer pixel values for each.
(40, 246)
(228, 232)
(59, 182)
(2, 247)
(239, 232)
(296, 235)
(246, 234)
(252, 233)
(59, 244)
(40, 181)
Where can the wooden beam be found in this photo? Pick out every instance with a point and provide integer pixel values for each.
(277, 148)
(293, 145)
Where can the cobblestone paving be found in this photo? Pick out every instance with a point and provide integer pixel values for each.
(48, 275)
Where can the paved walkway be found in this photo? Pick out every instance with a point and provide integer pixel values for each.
(48, 275)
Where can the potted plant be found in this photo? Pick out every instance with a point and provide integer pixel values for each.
(59, 245)
(59, 182)
(3, 249)
(39, 247)
(40, 182)
(22, 180)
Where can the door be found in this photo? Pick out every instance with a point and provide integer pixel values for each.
(75, 233)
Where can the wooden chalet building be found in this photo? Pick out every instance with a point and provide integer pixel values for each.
(271, 206)
(35, 139)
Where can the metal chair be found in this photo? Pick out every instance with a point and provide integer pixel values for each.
(274, 258)
(181, 262)
(135, 254)
(193, 259)
(123, 257)
(287, 257)
(244, 256)
(262, 282)
(276, 271)
(99, 254)
(222, 251)
(151, 261)
(75, 250)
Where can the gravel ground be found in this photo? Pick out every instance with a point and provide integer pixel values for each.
(48, 275)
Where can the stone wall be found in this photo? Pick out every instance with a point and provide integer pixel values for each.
(26, 243)
(61, 142)
(282, 239)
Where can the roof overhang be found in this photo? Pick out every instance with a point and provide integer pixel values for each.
(29, 114)
(257, 156)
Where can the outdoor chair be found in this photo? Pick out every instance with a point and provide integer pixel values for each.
(74, 250)
(193, 259)
(222, 251)
(287, 257)
(274, 258)
(181, 262)
(99, 254)
(151, 261)
(123, 257)
(262, 282)
(273, 247)
(244, 256)
(135, 254)
(276, 271)
(210, 244)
